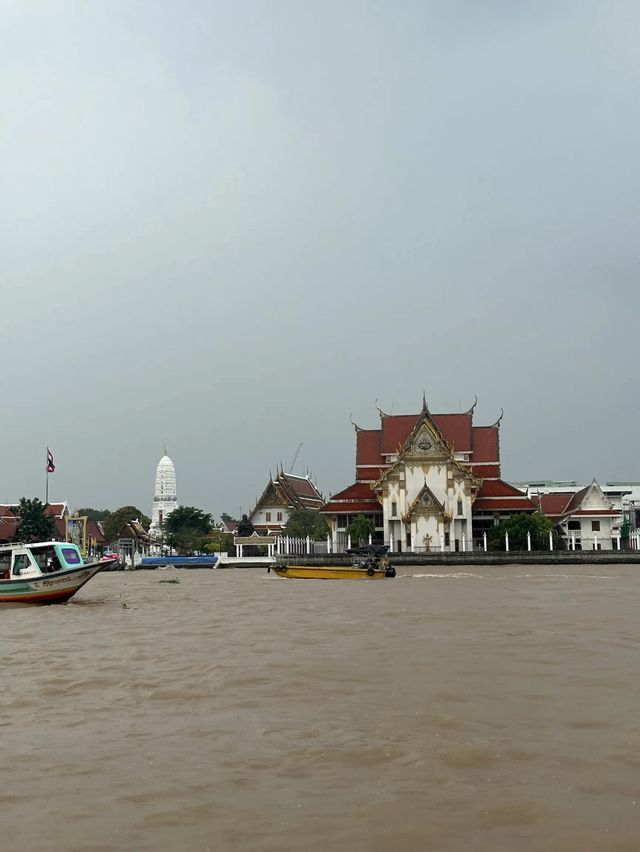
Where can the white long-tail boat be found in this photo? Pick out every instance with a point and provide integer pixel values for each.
(44, 572)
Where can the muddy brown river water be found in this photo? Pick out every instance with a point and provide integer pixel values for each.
(491, 709)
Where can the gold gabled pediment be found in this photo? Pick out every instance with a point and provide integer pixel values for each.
(426, 503)
(425, 443)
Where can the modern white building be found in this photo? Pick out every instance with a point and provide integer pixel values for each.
(165, 499)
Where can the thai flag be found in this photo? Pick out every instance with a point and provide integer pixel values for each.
(50, 465)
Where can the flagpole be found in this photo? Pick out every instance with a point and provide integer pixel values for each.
(46, 492)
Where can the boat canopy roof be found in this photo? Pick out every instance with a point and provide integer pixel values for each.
(369, 550)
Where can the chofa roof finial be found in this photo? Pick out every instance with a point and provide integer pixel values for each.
(497, 423)
(353, 423)
(380, 411)
(425, 406)
(475, 402)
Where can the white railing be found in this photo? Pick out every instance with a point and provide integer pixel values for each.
(301, 546)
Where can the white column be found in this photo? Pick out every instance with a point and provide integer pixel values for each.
(484, 540)
(464, 543)
(528, 540)
(618, 542)
(595, 541)
(550, 540)
(308, 546)
(573, 541)
(441, 537)
(506, 541)
(328, 544)
(348, 542)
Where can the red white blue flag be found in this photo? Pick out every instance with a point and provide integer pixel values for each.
(50, 465)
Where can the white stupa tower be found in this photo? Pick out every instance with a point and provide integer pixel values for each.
(165, 499)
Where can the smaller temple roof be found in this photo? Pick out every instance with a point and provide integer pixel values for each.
(496, 495)
(291, 491)
(356, 498)
(561, 506)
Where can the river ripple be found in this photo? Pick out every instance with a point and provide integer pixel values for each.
(491, 709)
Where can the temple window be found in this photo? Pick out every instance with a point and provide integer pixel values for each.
(394, 509)
(595, 526)
(268, 516)
(460, 512)
(279, 516)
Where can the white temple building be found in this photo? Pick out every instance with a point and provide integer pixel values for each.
(165, 499)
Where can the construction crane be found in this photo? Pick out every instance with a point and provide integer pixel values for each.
(295, 457)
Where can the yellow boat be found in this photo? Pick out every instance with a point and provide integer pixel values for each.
(370, 563)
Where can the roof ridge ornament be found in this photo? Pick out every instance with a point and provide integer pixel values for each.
(497, 423)
(475, 402)
(380, 411)
(354, 424)
(425, 405)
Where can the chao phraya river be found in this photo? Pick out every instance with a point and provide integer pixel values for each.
(495, 709)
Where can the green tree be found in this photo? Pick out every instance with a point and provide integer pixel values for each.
(226, 517)
(306, 522)
(113, 525)
(93, 514)
(218, 541)
(625, 530)
(33, 524)
(360, 529)
(187, 529)
(537, 524)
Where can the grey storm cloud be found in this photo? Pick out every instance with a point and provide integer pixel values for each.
(226, 226)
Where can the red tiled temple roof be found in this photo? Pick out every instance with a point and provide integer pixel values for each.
(456, 428)
(357, 491)
(372, 506)
(598, 512)
(373, 446)
(499, 488)
(300, 489)
(396, 428)
(486, 444)
(368, 447)
(356, 498)
(552, 505)
(495, 495)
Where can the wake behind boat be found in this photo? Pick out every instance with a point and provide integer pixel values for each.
(369, 563)
(44, 572)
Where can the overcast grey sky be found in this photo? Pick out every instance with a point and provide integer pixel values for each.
(227, 225)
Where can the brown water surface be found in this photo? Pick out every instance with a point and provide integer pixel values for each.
(492, 709)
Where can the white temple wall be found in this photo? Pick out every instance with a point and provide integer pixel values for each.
(269, 515)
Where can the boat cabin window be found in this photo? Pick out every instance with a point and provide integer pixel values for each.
(46, 559)
(71, 556)
(21, 563)
(5, 565)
